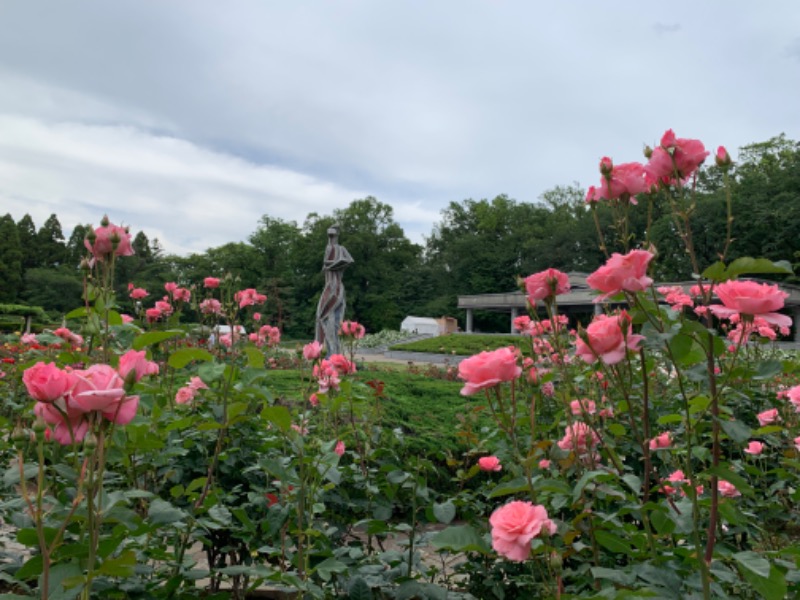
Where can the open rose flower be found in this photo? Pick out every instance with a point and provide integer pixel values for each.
(546, 284)
(768, 417)
(727, 489)
(136, 362)
(751, 298)
(352, 329)
(675, 159)
(489, 463)
(661, 441)
(488, 369)
(45, 382)
(622, 272)
(515, 525)
(312, 350)
(108, 239)
(607, 338)
(100, 388)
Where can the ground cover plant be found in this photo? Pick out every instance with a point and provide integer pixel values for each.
(651, 454)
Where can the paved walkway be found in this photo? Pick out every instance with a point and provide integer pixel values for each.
(398, 357)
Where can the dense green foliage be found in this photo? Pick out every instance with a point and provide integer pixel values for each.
(424, 408)
(478, 246)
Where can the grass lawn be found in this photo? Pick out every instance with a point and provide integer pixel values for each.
(460, 344)
(425, 408)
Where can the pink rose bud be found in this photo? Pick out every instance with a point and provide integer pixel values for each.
(339, 449)
(722, 158)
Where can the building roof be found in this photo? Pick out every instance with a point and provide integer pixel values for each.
(581, 295)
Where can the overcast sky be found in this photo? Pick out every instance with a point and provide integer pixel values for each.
(192, 119)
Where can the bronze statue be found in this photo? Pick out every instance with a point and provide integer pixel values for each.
(330, 310)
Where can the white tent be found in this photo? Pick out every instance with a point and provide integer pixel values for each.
(421, 326)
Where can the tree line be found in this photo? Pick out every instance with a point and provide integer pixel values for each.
(478, 246)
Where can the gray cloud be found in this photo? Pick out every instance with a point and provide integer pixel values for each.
(285, 108)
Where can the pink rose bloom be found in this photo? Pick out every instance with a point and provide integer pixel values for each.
(727, 489)
(327, 376)
(768, 417)
(352, 329)
(579, 437)
(126, 319)
(249, 297)
(544, 464)
(751, 298)
(675, 158)
(577, 407)
(339, 449)
(488, 369)
(675, 477)
(256, 316)
(592, 195)
(312, 351)
(607, 338)
(182, 295)
(342, 365)
(171, 286)
(68, 336)
(185, 395)
(269, 335)
(624, 181)
(523, 324)
(679, 478)
(152, 314)
(489, 463)
(138, 293)
(794, 397)
(515, 525)
(211, 306)
(313, 400)
(196, 383)
(138, 363)
(45, 382)
(546, 285)
(797, 442)
(661, 441)
(29, 339)
(622, 272)
(754, 448)
(69, 425)
(676, 297)
(101, 242)
(211, 282)
(100, 388)
(164, 307)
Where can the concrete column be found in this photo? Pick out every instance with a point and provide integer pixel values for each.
(598, 309)
(796, 323)
(514, 315)
(469, 320)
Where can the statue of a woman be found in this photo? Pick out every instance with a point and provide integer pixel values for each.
(330, 310)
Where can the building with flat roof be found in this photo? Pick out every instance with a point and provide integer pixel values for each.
(580, 301)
